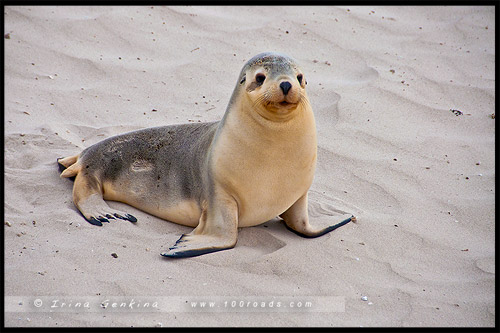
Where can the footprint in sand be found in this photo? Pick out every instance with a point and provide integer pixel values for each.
(321, 205)
(253, 243)
(486, 265)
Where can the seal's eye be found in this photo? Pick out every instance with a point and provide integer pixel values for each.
(260, 78)
(300, 77)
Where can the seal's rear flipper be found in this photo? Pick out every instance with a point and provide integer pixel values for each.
(62, 168)
(65, 163)
(87, 196)
(106, 217)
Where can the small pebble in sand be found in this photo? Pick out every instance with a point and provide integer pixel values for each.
(364, 298)
(114, 255)
(8, 224)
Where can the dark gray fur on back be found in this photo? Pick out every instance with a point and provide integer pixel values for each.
(172, 156)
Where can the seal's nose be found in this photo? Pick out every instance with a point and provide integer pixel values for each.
(285, 86)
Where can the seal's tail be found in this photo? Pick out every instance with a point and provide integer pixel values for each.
(68, 166)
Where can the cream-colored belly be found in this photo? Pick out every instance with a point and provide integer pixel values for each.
(265, 181)
(266, 188)
(185, 212)
(265, 203)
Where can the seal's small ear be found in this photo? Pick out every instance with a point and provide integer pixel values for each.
(243, 79)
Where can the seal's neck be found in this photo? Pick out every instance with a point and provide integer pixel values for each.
(244, 125)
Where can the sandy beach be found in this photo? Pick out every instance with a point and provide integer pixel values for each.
(404, 102)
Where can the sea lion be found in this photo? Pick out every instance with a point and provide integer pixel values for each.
(255, 164)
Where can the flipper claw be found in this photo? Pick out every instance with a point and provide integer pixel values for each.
(131, 218)
(102, 219)
(94, 221)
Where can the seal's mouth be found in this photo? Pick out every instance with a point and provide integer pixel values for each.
(281, 107)
(278, 111)
(285, 104)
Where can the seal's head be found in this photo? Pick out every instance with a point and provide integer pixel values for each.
(274, 85)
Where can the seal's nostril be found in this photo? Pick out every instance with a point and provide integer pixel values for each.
(285, 86)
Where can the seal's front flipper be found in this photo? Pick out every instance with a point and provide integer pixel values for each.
(311, 233)
(217, 230)
(297, 220)
(190, 245)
